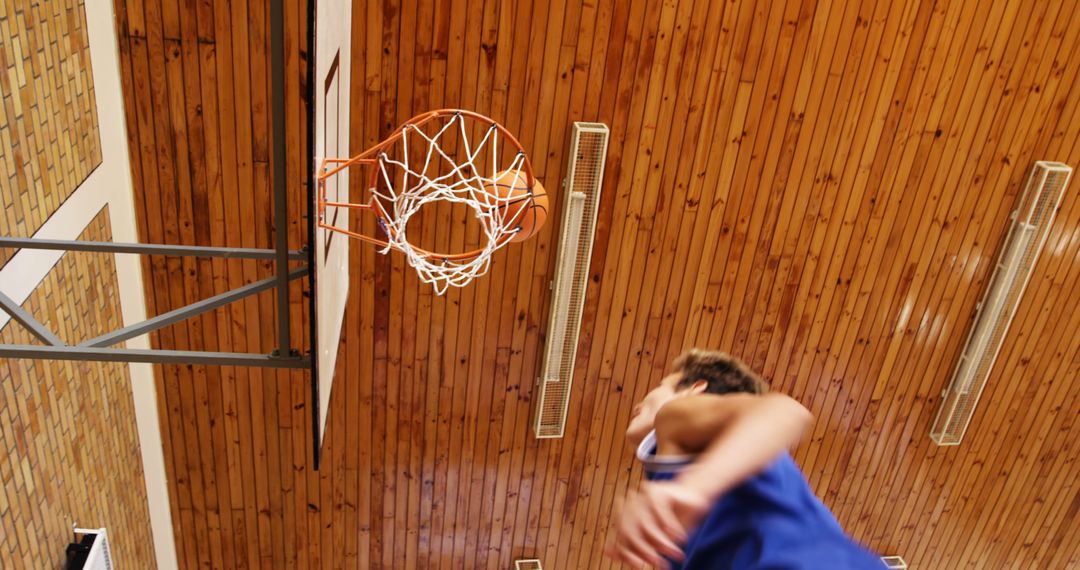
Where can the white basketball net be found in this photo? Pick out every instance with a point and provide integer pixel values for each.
(437, 176)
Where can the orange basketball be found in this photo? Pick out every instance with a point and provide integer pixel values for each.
(526, 208)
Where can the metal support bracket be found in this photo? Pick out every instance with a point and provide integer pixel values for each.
(27, 320)
(149, 248)
(284, 356)
(187, 312)
(97, 348)
(153, 356)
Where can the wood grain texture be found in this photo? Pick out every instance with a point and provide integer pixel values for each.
(818, 186)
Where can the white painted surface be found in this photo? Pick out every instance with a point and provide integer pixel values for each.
(110, 184)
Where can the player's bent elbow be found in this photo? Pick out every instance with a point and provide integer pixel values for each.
(791, 410)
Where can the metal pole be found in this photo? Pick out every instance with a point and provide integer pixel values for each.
(281, 209)
(27, 320)
(188, 311)
(152, 356)
(309, 169)
(147, 248)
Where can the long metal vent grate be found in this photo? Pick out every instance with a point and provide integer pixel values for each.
(1030, 227)
(583, 183)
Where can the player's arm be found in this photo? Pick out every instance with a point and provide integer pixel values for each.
(736, 436)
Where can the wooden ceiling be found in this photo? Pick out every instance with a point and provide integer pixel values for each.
(817, 186)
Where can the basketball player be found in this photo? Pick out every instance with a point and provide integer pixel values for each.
(723, 491)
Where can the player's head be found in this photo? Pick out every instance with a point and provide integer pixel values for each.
(696, 371)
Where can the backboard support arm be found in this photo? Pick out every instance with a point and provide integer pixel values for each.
(98, 348)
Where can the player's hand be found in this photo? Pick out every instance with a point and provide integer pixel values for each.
(654, 522)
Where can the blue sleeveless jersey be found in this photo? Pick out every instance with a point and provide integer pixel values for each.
(771, 521)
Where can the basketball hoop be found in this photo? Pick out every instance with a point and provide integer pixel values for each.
(446, 155)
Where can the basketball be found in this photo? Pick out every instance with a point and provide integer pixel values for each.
(526, 208)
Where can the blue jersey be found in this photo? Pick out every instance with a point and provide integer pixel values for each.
(771, 521)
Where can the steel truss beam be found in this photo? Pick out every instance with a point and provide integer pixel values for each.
(153, 356)
(97, 348)
(148, 248)
(27, 320)
(187, 311)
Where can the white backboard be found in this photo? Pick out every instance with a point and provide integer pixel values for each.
(330, 250)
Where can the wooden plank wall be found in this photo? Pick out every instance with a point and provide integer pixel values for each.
(818, 186)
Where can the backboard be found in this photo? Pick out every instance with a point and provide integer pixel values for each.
(329, 251)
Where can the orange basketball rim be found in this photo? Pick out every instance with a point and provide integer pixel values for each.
(448, 154)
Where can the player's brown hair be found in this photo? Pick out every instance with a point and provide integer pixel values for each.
(723, 373)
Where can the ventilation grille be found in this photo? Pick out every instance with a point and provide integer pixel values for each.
(99, 557)
(530, 564)
(1027, 234)
(894, 562)
(583, 182)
